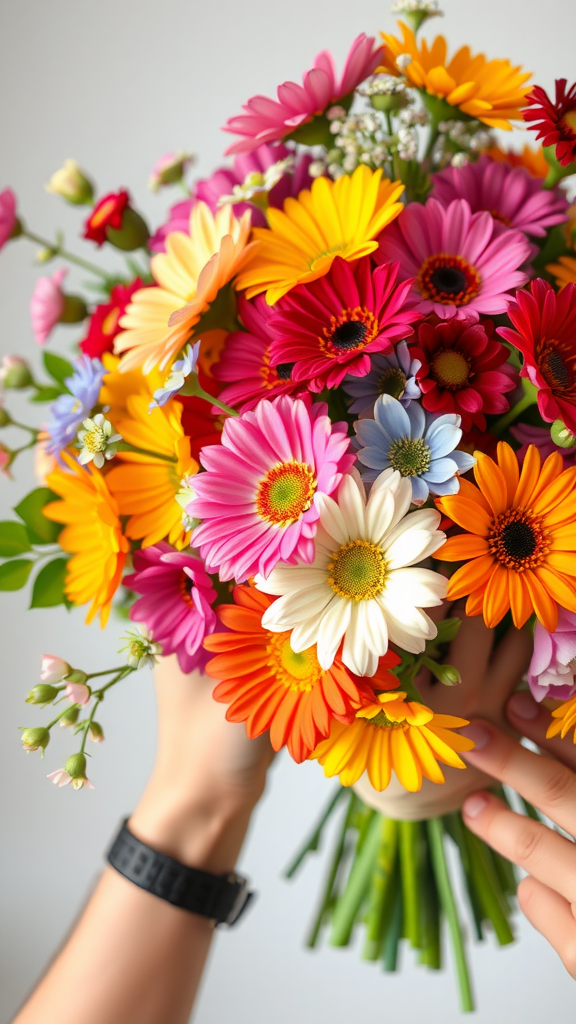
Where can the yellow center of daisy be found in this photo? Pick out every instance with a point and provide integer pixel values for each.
(321, 258)
(285, 493)
(448, 279)
(381, 721)
(392, 382)
(349, 332)
(450, 369)
(95, 440)
(411, 456)
(297, 671)
(569, 120)
(358, 571)
(518, 540)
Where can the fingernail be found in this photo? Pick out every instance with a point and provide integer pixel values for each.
(474, 804)
(522, 705)
(478, 734)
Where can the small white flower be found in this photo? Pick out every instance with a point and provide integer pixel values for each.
(97, 443)
(460, 160)
(403, 60)
(141, 648)
(429, 7)
(184, 496)
(258, 184)
(317, 168)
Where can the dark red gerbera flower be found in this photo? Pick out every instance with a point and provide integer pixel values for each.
(103, 326)
(107, 213)
(545, 333)
(555, 123)
(330, 327)
(463, 370)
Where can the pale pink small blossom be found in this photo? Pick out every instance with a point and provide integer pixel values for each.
(5, 459)
(47, 305)
(60, 777)
(170, 169)
(552, 671)
(77, 693)
(8, 218)
(53, 669)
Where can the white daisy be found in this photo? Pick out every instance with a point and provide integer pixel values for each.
(363, 585)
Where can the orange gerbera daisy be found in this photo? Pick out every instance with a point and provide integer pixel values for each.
(564, 719)
(269, 686)
(564, 271)
(532, 159)
(118, 387)
(491, 90)
(145, 486)
(92, 533)
(392, 733)
(520, 540)
(160, 321)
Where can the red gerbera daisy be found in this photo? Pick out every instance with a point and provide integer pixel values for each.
(107, 213)
(463, 370)
(555, 121)
(329, 328)
(245, 362)
(545, 329)
(103, 326)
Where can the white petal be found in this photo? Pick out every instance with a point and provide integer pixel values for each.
(379, 513)
(375, 628)
(292, 609)
(332, 519)
(354, 651)
(332, 628)
(414, 588)
(305, 633)
(351, 504)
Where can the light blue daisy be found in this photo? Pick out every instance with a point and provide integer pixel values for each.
(394, 374)
(174, 383)
(419, 445)
(69, 411)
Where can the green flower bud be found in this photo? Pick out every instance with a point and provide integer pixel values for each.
(388, 102)
(96, 732)
(4, 417)
(561, 435)
(72, 184)
(71, 717)
(76, 675)
(76, 768)
(15, 373)
(35, 739)
(132, 235)
(43, 693)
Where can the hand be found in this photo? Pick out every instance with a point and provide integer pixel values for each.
(547, 896)
(207, 778)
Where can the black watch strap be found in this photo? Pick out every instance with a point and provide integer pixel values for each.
(222, 898)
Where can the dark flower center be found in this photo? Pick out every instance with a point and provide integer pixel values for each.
(392, 382)
(349, 335)
(518, 539)
(555, 371)
(450, 369)
(448, 279)
(284, 370)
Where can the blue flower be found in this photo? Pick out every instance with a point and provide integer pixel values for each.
(68, 411)
(419, 445)
(174, 383)
(394, 375)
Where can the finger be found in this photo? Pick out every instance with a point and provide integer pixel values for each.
(552, 916)
(548, 785)
(543, 853)
(532, 720)
(470, 650)
(509, 663)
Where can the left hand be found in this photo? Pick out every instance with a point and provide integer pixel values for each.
(547, 896)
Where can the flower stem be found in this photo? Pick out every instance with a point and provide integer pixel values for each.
(194, 388)
(123, 446)
(333, 873)
(349, 903)
(311, 844)
(59, 251)
(528, 398)
(448, 903)
(410, 860)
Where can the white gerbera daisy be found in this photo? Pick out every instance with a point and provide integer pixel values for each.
(363, 585)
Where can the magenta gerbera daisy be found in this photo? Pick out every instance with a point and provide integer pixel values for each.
(513, 197)
(258, 496)
(462, 266)
(329, 328)
(245, 361)
(176, 602)
(267, 120)
(554, 120)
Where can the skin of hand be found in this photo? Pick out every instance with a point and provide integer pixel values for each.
(133, 958)
(547, 895)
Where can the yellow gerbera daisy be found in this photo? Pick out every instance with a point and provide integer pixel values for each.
(145, 486)
(564, 271)
(118, 387)
(92, 533)
(393, 733)
(159, 321)
(564, 719)
(491, 90)
(332, 218)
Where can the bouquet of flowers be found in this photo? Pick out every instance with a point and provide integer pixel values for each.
(333, 393)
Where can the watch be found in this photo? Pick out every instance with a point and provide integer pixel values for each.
(222, 898)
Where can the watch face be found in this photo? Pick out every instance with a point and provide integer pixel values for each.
(242, 900)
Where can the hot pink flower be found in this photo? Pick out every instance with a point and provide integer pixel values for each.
(245, 361)
(176, 602)
(7, 215)
(553, 667)
(513, 197)
(266, 120)
(462, 266)
(47, 305)
(259, 496)
(330, 327)
(221, 183)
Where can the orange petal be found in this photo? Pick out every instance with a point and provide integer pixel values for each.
(491, 482)
(528, 477)
(557, 489)
(468, 514)
(465, 545)
(470, 576)
(545, 608)
(508, 462)
(520, 603)
(560, 588)
(496, 600)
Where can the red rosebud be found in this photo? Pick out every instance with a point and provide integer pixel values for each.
(107, 213)
(104, 322)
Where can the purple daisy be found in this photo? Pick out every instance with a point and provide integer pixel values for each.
(394, 374)
(68, 411)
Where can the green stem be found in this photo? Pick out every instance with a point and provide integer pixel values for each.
(58, 717)
(332, 874)
(504, 422)
(311, 844)
(488, 888)
(380, 888)
(123, 446)
(59, 251)
(194, 388)
(431, 954)
(105, 672)
(126, 671)
(349, 903)
(88, 723)
(448, 903)
(393, 933)
(22, 426)
(410, 861)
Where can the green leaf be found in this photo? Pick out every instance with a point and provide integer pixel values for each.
(57, 368)
(14, 539)
(47, 394)
(447, 630)
(48, 587)
(13, 575)
(40, 529)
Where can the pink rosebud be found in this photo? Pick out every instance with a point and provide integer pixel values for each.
(60, 777)
(170, 169)
(5, 458)
(47, 304)
(553, 666)
(53, 669)
(77, 693)
(8, 219)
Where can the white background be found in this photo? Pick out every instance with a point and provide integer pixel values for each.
(114, 84)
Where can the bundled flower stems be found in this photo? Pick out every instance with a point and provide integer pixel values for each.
(332, 393)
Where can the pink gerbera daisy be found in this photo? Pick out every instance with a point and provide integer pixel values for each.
(258, 496)
(266, 120)
(176, 602)
(47, 304)
(245, 361)
(513, 197)
(462, 266)
(329, 328)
